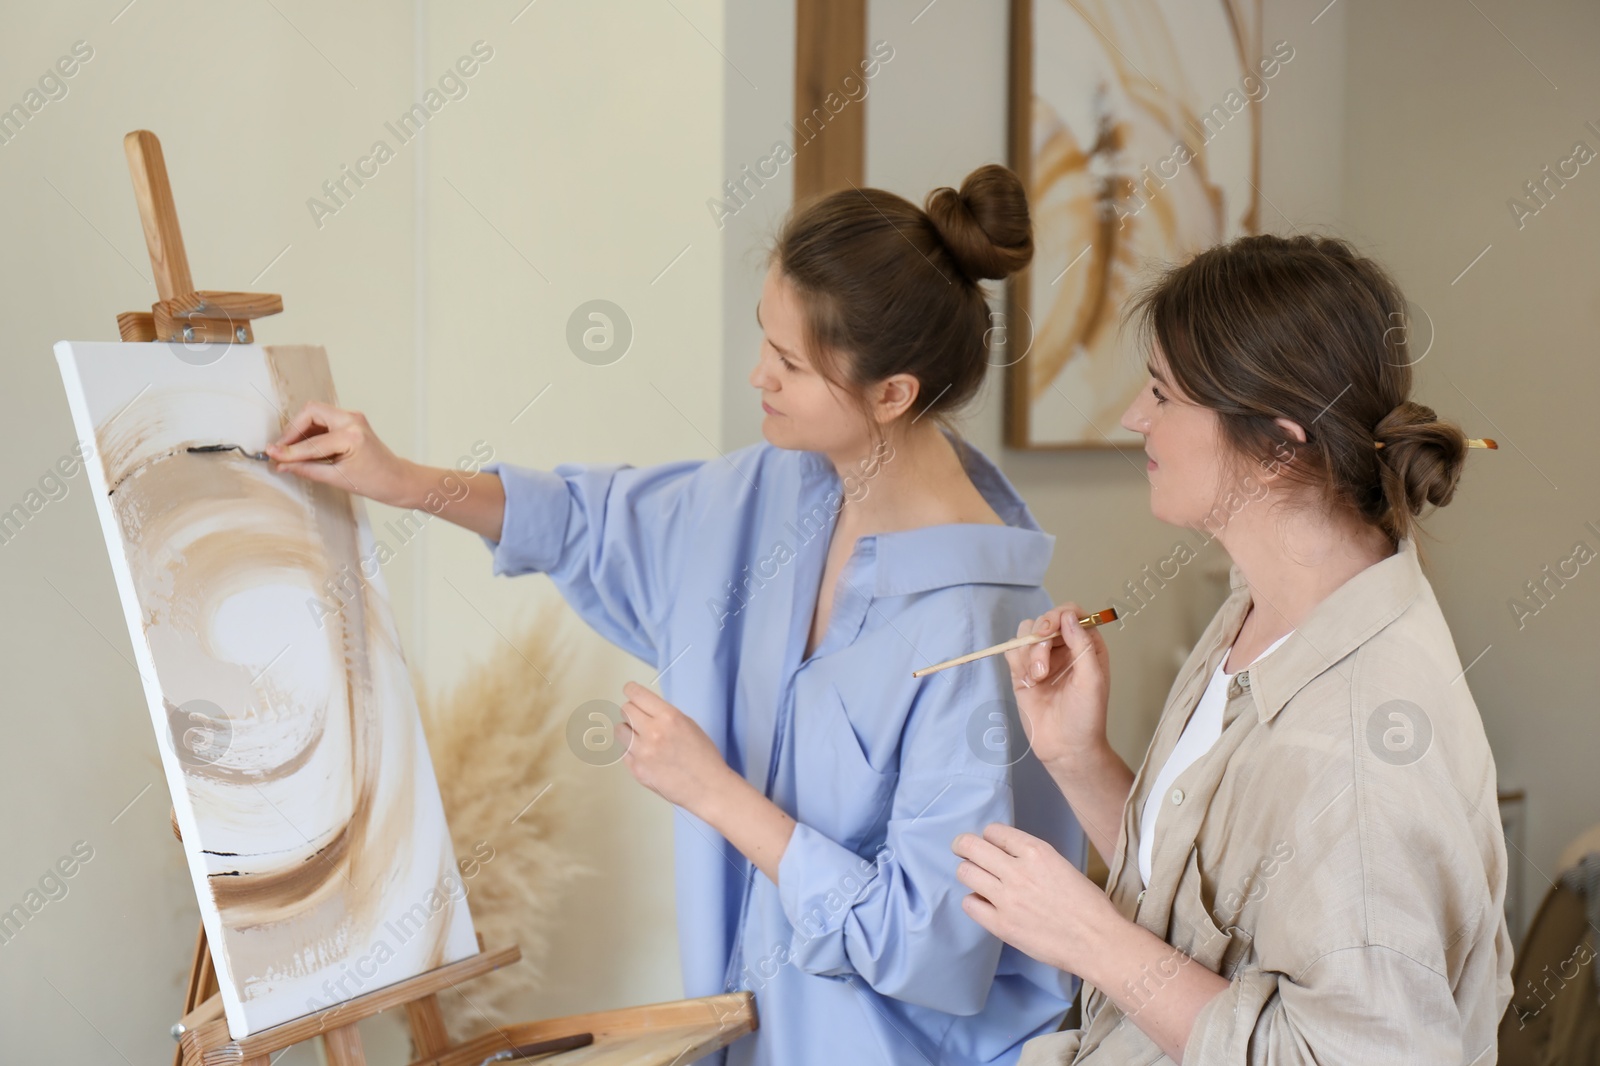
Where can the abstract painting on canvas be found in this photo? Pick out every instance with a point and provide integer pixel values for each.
(283, 710)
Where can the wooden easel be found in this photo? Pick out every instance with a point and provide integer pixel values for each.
(654, 1035)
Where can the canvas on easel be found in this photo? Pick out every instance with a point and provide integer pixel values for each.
(284, 713)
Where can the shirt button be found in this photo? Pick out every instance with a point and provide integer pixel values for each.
(1177, 796)
(1244, 679)
(1140, 900)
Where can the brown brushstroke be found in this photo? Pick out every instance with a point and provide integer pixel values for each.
(1247, 45)
(176, 491)
(220, 770)
(232, 889)
(257, 525)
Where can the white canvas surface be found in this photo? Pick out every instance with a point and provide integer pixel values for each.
(283, 710)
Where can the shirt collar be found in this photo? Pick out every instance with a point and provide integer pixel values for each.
(1348, 618)
(968, 553)
(972, 553)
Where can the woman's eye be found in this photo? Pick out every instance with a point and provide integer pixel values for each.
(1159, 398)
(786, 364)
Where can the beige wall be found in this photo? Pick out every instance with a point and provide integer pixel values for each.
(590, 153)
(1447, 121)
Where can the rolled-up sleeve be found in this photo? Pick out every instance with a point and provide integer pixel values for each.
(895, 919)
(1358, 1005)
(533, 531)
(609, 536)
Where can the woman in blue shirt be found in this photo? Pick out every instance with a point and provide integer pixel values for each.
(785, 593)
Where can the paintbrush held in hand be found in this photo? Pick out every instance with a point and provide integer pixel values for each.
(258, 456)
(1097, 619)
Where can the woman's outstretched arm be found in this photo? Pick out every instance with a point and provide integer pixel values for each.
(338, 447)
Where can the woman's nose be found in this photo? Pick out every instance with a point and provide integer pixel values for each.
(1134, 417)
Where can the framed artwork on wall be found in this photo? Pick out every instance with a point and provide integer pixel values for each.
(1136, 127)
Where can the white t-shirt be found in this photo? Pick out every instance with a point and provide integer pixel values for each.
(1201, 731)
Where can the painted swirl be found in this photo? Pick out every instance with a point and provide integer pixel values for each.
(289, 707)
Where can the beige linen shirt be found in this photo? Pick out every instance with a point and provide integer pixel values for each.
(1337, 854)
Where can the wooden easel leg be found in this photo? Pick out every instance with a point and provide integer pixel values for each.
(427, 1027)
(202, 982)
(343, 1046)
(202, 975)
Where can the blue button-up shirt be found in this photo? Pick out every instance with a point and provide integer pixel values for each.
(710, 571)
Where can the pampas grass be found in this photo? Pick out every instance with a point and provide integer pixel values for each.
(496, 739)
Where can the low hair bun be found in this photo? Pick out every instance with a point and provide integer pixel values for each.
(1263, 329)
(985, 225)
(1421, 460)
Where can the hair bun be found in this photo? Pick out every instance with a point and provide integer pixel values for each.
(1422, 457)
(985, 226)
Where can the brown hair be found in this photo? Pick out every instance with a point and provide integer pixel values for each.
(1304, 328)
(889, 288)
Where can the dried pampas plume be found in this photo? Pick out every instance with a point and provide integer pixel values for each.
(496, 739)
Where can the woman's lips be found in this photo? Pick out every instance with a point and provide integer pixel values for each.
(769, 408)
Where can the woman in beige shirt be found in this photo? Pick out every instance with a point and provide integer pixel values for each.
(1327, 875)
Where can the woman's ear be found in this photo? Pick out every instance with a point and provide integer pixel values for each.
(1283, 452)
(895, 396)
